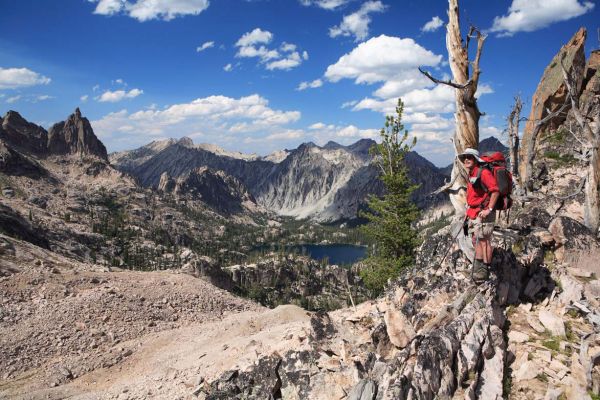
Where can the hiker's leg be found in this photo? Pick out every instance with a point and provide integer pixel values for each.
(485, 248)
(478, 238)
(487, 230)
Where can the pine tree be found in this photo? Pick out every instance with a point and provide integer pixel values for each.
(391, 218)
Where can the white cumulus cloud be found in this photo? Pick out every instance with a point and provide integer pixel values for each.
(382, 59)
(289, 62)
(433, 25)
(220, 118)
(145, 10)
(118, 95)
(310, 85)
(325, 4)
(228, 68)
(357, 23)
(204, 46)
(531, 15)
(254, 44)
(12, 78)
(257, 36)
(13, 99)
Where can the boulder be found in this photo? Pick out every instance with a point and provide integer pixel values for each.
(571, 238)
(399, 329)
(366, 389)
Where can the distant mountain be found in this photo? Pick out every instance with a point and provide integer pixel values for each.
(325, 183)
(73, 136)
(219, 191)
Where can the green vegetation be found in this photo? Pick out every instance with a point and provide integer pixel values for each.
(391, 219)
(552, 344)
(594, 396)
(558, 136)
(561, 160)
(542, 377)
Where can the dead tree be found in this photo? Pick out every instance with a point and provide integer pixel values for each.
(465, 80)
(590, 140)
(526, 174)
(514, 118)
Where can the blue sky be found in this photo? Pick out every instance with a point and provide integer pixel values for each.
(263, 75)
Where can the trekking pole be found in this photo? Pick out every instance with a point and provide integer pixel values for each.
(453, 239)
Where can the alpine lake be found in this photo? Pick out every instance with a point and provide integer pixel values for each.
(338, 254)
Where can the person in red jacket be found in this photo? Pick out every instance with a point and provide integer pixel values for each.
(482, 194)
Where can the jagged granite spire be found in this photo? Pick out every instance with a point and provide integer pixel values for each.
(75, 136)
(23, 135)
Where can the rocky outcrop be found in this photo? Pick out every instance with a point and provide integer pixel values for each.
(14, 163)
(216, 189)
(75, 136)
(13, 224)
(551, 92)
(22, 135)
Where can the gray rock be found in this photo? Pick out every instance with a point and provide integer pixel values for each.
(552, 322)
(366, 389)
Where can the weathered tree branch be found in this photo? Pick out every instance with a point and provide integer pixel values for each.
(448, 82)
(513, 136)
(577, 191)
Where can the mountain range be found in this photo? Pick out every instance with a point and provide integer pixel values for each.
(325, 183)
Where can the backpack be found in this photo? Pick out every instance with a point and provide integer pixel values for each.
(496, 163)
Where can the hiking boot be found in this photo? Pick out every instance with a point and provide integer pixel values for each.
(480, 272)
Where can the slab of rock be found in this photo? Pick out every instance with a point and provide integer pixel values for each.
(544, 355)
(552, 322)
(535, 324)
(529, 370)
(399, 329)
(517, 337)
(366, 389)
(570, 237)
(553, 393)
(572, 289)
(580, 272)
(490, 382)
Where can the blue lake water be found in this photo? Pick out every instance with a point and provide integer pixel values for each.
(335, 253)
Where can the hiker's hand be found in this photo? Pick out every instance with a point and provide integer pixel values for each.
(484, 213)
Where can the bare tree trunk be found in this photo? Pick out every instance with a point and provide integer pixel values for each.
(465, 84)
(514, 119)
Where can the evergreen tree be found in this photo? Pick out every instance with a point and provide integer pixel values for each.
(391, 218)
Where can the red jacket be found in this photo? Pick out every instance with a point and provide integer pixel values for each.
(477, 197)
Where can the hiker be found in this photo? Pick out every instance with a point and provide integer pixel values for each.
(482, 195)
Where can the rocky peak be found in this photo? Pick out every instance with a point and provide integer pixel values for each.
(551, 91)
(362, 147)
(215, 188)
(491, 144)
(186, 141)
(75, 136)
(17, 132)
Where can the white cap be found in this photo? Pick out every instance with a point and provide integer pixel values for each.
(470, 152)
